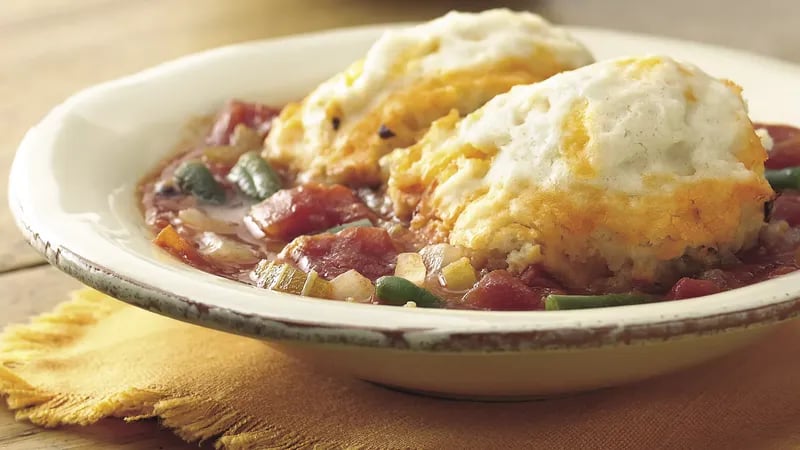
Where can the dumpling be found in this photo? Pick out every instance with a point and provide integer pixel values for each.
(408, 79)
(625, 173)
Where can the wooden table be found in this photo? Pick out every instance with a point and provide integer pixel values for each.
(51, 48)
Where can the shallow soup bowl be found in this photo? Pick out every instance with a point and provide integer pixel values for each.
(73, 194)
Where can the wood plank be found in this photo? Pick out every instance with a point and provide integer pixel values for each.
(145, 435)
(33, 291)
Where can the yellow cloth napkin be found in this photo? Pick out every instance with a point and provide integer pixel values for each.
(95, 357)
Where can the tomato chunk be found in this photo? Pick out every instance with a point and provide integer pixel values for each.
(368, 250)
(501, 291)
(254, 115)
(691, 287)
(786, 146)
(306, 209)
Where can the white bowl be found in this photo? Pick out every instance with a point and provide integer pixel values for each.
(72, 191)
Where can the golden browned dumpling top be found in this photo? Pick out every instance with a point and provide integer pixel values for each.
(629, 170)
(408, 79)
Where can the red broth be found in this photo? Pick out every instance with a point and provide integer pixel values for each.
(307, 211)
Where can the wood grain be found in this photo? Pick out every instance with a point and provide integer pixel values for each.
(52, 48)
(109, 433)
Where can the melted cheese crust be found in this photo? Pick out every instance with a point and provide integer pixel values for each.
(408, 79)
(625, 171)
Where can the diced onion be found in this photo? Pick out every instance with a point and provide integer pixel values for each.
(437, 256)
(411, 267)
(225, 250)
(245, 138)
(222, 154)
(198, 220)
(253, 227)
(459, 275)
(352, 286)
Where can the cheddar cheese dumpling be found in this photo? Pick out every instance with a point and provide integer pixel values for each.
(408, 79)
(625, 173)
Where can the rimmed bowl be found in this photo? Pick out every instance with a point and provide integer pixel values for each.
(72, 192)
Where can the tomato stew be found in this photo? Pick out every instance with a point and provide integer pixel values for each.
(223, 210)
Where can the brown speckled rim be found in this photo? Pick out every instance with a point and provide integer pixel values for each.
(143, 295)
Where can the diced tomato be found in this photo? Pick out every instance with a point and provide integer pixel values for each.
(501, 291)
(786, 146)
(254, 115)
(309, 208)
(787, 207)
(691, 287)
(368, 250)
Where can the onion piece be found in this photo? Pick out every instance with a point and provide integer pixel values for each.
(246, 138)
(411, 267)
(198, 220)
(224, 250)
(243, 139)
(437, 256)
(221, 154)
(351, 286)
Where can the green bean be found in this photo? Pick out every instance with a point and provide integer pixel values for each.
(254, 176)
(354, 224)
(554, 302)
(398, 291)
(788, 178)
(193, 177)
